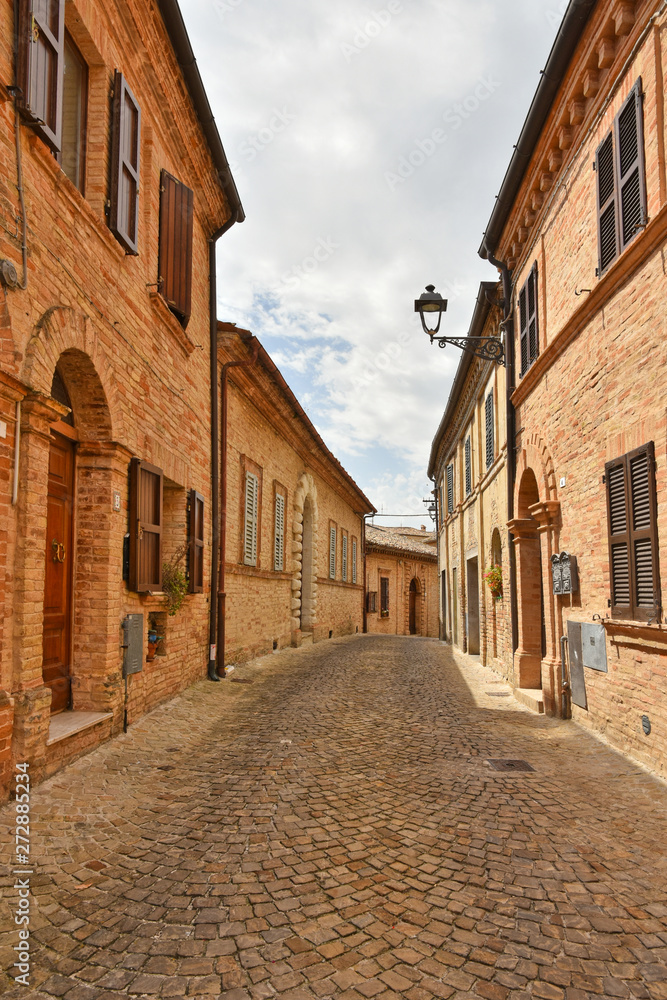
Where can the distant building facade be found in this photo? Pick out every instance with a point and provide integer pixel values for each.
(293, 541)
(468, 466)
(401, 581)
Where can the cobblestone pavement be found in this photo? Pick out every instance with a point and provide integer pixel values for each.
(332, 828)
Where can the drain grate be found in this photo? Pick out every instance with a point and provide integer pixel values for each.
(510, 765)
(498, 694)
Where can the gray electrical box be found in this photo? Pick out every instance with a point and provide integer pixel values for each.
(133, 642)
(564, 573)
(577, 678)
(593, 646)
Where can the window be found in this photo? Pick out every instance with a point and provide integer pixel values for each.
(124, 196)
(41, 55)
(633, 535)
(175, 254)
(621, 182)
(354, 560)
(196, 543)
(332, 552)
(488, 416)
(145, 527)
(251, 519)
(344, 557)
(467, 450)
(450, 489)
(384, 596)
(279, 534)
(75, 89)
(528, 326)
(372, 601)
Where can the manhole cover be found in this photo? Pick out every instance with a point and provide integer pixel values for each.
(510, 765)
(498, 694)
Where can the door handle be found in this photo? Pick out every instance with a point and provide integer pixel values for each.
(58, 550)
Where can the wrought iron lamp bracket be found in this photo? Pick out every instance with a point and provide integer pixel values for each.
(488, 348)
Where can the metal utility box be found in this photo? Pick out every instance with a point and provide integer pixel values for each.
(593, 646)
(577, 678)
(133, 643)
(564, 573)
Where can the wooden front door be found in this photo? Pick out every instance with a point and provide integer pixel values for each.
(58, 581)
(413, 608)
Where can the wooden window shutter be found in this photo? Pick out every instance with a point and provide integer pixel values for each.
(488, 415)
(344, 558)
(279, 540)
(633, 535)
(175, 254)
(384, 596)
(372, 601)
(629, 137)
(251, 519)
(450, 489)
(354, 560)
(125, 146)
(468, 464)
(607, 215)
(332, 553)
(41, 62)
(196, 543)
(528, 321)
(145, 527)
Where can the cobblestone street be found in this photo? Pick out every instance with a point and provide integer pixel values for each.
(325, 823)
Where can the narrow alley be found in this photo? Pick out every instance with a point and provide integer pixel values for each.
(327, 823)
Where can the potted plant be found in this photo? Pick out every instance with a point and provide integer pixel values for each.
(174, 582)
(494, 578)
(153, 638)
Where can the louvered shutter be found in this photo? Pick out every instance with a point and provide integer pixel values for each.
(354, 561)
(523, 328)
(384, 596)
(606, 194)
(528, 321)
(145, 510)
(450, 489)
(175, 255)
(125, 145)
(344, 558)
(488, 416)
(279, 542)
(251, 519)
(629, 137)
(196, 543)
(468, 465)
(41, 62)
(332, 553)
(633, 535)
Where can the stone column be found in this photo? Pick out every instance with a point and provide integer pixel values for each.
(547, 515)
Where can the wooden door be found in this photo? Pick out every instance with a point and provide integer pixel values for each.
(58, 581)
(413, 608)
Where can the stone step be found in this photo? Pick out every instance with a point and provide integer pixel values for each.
(306, 638)
(532, 698)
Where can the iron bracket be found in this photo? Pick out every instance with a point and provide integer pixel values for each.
(489, 348)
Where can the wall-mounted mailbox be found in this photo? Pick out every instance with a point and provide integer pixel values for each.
(564, 573)
(594, 647)
(133, 642)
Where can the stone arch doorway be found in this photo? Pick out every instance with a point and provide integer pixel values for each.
(414, 607)
(305, 547)
(530, 590)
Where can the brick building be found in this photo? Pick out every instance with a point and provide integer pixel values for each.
(579, 232)
(401, 581)
(468, 466)
(293, 519)
(113, 190)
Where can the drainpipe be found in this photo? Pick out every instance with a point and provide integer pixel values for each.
(222, 596)
(510, 419)
(363, 556)
(215, 437)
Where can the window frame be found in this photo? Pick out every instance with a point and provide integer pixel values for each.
(80, 185)
(139, 529)
(529, 339)
(384, 597)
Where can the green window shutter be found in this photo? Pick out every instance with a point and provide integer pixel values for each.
(279, 540)
(125, 145)
(332, 554)
(251, 519)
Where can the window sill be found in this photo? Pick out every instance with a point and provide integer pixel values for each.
(623, 632)
(167, 317)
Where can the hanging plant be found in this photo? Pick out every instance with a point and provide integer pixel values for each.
(494, 578)
(174, 582)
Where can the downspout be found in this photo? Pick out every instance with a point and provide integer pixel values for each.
(438, 518)
(215, 439)
(222, 596)
(363, 556)
(510, 419)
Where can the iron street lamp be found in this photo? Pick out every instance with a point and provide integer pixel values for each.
(489, 348)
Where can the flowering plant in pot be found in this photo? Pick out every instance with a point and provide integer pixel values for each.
(153, 638)
(494, 578)
(174, 582)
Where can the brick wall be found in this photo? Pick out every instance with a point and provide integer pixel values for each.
(400, 568)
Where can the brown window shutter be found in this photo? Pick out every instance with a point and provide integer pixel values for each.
(372, 601)
(450, 489)
(175, 255)
(531, 297)
(125, 145)
(145, 527)
(41, 60)
(633, 535)
(607, 215)
(196, 543)
(629, 138)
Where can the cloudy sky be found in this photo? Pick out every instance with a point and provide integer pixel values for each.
(368, 142)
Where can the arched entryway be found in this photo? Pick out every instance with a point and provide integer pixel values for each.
(414, 607)
(307, 567)
(304, 582)
(530, 592)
